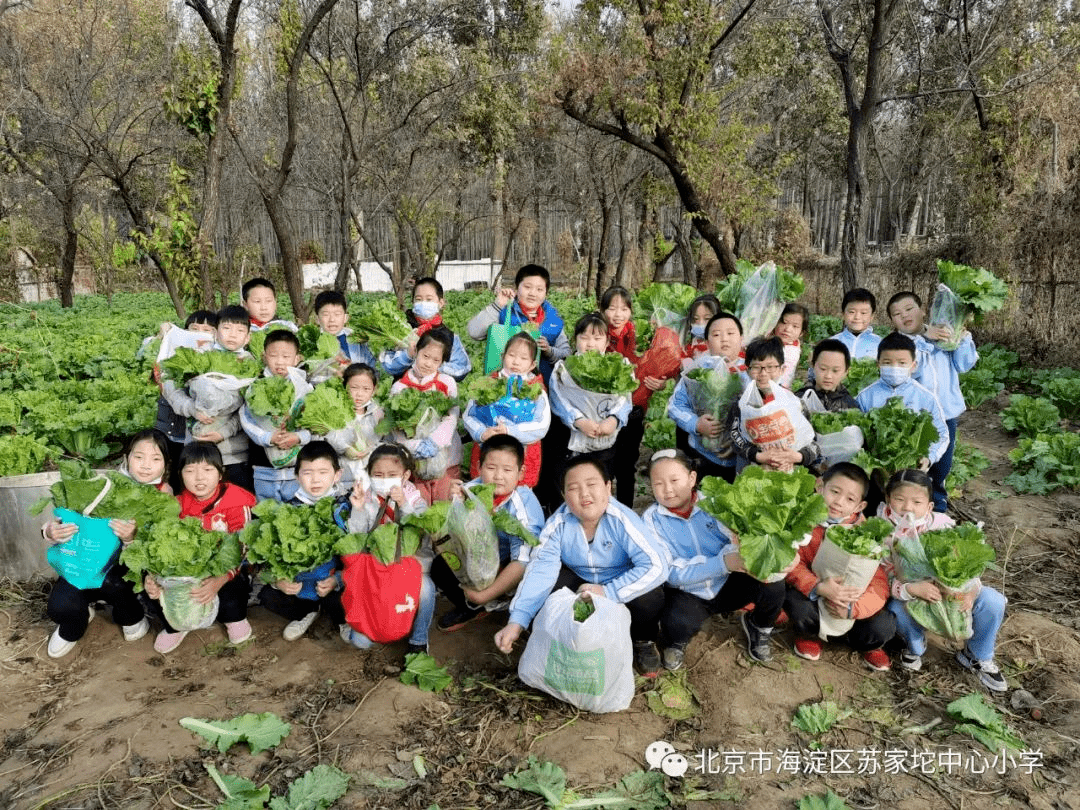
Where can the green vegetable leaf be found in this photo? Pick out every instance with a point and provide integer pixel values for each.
(968, 463)
(984, 723)
(271, 397)
(818, 718)
(408, 407)
(315, 790)
(835, 421)
(1049, 461)
(381, 323)
(609, 373)
(240, 793)
(978, 288)
(180, 548)
(424, 671)
(827, 801)
(187, 363)
(865, 540)
(860, 374)
(673, 696)
(316, 345)
(897, 438)
(328, 407)
(259, 731)
(583, 609)
(290, 540)
(543, 778)
(1030, 416)
(958, 554)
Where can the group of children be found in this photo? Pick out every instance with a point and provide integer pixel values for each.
(569, 479)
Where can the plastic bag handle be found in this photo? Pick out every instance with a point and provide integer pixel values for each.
(90, 507)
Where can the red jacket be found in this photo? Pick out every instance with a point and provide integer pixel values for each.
(805, 580)
(228, 509)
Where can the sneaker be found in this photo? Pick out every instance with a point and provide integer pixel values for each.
(909, 660)
(673, 658)
(757, 639)
(808, 648)
(293, 630)
(988, 671)
(133, 632)
(239, 632)
(345, 631)
(646, 658)
(459, 617)
(166, 642)
(415, 648)
(58, 646)
(877, 660)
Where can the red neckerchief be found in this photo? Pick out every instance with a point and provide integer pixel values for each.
(499, 500)
(767, 397)
(696, 347)
(423, 326)
(624, 341)
(536, 317)
(388, 515)
(794, 343)
(411, 382)
(257, 322)
(738, 364)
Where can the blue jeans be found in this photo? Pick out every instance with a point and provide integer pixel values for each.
(941, 469)
(270, 484)
(425, 612)
(987, 614)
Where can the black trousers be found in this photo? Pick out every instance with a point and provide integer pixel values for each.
(866, 634)
(294, 608)
(232, 603)
(552, 458)
(684, 613)
(627, 453)
(242, 475)
(68, 606)
(644, 610)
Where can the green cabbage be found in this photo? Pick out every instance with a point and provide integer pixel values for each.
(608, 373)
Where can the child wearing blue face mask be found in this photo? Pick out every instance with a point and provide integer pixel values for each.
(692, 331)
(428, 302)
(897, 364)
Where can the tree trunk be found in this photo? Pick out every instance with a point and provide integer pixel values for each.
(290, 257)
(602, 249)
(853, 238)
(344, 201)
(703, 223)
(66, 279)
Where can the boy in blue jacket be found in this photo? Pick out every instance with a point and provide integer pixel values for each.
(939, 371)
(897, 365)
(594, 544)
(502, 464)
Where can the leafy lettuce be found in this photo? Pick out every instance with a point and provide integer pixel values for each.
(187, 363)
(271, 397)
(835, 421)
(1047, 462)
(328, 407)
(126, 499)
(896, 438)
(772, 513)
(290, 540)
(381, 324)
(1030, 416)
(486, 390)
(865, 540)
(978, 288)
(180, 548)
(609, 373)
(316, 345)
(407, 407)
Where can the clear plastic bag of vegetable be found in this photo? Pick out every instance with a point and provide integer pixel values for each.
(759, 302)
(428, 469)
(472, 548)
(180, 609)
(948, 310)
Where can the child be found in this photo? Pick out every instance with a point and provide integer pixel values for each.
(281, 354)
(908, 500)
(146, 461)
(829, 362)
(939, 371)
(615, 305)
(318, 475)
(794, 320)
(724, 341)
(844, 487)
(518, 360)
(594, 544)
(428, 302)
(390, 471)
(260, 300)
(707, 574)
(502, 463)
(897, 365)
(432, 350)
(169, 422)
(220, 506)
(590, 335)
(332, 314)
(528, 306)
(767, 425)
(355, 442)
(857, 309)
(695, 328)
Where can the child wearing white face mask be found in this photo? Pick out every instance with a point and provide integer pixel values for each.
(428, 302)
(391, 494)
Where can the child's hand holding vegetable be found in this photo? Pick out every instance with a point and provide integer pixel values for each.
(925, 590)
(608, 426)
(288, 586)
(56, 532)
(325, 586)
(708, 427)
(153, 590)
(123, 529)
(207, 589)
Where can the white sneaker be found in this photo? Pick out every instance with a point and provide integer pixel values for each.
(59, 647)
(294, 630)
(133, 632)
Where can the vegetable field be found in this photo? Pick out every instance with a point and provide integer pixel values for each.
(116, 725)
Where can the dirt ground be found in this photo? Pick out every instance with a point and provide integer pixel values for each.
(99, 728)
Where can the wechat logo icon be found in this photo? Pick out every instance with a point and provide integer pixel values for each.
(663, 755)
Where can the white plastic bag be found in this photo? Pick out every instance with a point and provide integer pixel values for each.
(778, 423)
(181, 611)
(429, 469)
(587, 664)
(215, 393)
(759, 302)
(592, 405)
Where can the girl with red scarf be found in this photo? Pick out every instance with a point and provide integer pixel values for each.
(426, 314)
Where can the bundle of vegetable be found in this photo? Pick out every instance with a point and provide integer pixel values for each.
(381, 324)
(271, 397)
(952, 557)
(381, 542)
(433, 519)
(659, 427)
(315, 344)
(864, 540)
(772, 512)
(712, 391)
(757, 295)
(860, 374)
(405, 410)
(897, 438)
(291, 540)
(126, 499)
(835, 421)
(660, 304)
(979, 289)
(180, 548)
(484, 390)
(328, 407)
(602, 373)
(187, 364)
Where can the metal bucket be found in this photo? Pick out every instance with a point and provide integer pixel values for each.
(22, 549)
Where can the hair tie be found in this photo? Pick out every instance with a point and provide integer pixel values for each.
(659, 454)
